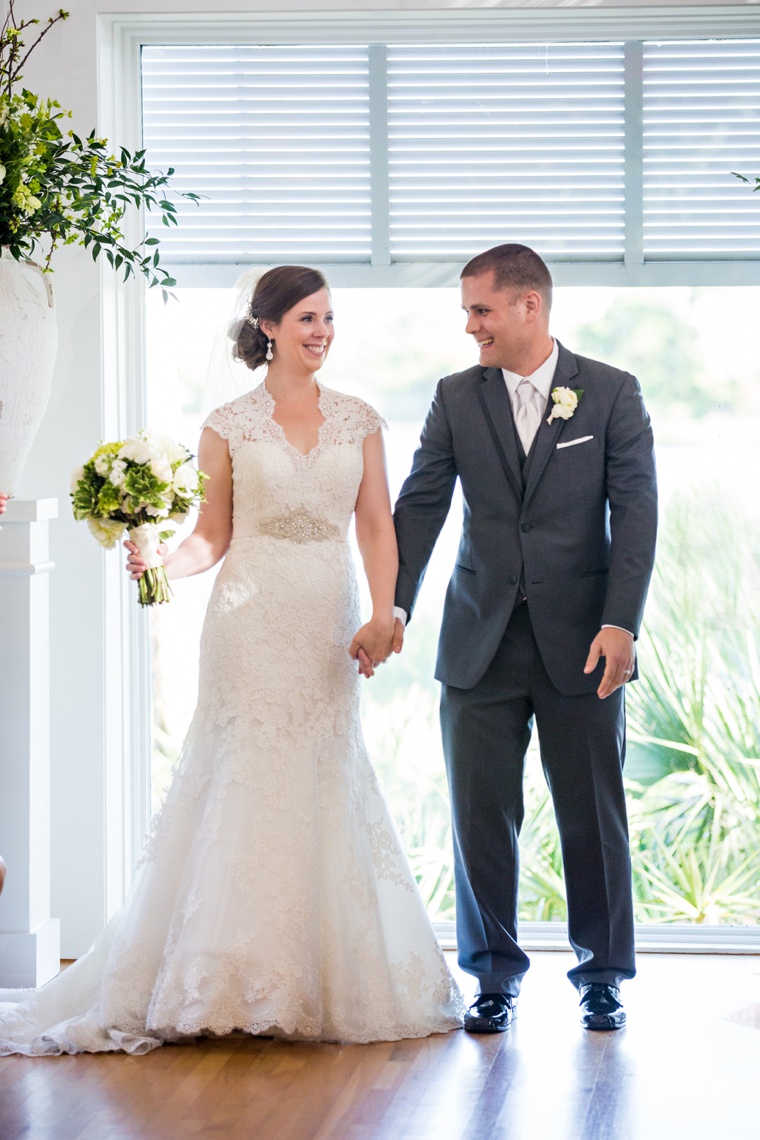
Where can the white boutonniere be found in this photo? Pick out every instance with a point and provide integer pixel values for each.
(566, 400)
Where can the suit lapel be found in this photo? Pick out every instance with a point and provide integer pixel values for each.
(495, 402)
(548, 435)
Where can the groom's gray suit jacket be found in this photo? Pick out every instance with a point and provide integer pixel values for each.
(575, 528)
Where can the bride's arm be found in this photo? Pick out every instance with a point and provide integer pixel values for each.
(211, 535)
(377, 544)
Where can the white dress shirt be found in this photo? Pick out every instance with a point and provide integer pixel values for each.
(541, 379)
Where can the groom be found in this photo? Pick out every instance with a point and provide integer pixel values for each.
(554, 455)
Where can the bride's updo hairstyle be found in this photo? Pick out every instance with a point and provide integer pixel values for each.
(277, 291)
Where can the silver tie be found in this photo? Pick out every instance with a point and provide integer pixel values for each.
(528, 413)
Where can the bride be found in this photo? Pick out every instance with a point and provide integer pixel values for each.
(273, 896)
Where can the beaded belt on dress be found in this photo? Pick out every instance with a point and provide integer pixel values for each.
(299, 526)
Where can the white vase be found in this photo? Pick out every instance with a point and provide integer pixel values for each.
(28, 343)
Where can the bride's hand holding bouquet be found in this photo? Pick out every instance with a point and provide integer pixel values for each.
(138, 485)
(140, 562)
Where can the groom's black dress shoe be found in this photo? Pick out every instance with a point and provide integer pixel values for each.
(602, 1008)
(490, 1013)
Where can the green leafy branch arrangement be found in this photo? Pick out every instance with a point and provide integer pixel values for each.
(61, 189)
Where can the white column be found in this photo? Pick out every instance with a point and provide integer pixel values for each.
(29, 937)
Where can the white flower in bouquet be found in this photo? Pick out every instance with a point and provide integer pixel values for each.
(106, 532)
(163, 511)
(162, 469)
(185, 481)
(162, 445)
(118, 473)
(132, 485)
(137, 450)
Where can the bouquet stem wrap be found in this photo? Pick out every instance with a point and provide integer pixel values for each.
(153, 587)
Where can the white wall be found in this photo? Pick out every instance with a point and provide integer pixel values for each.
(85, 742)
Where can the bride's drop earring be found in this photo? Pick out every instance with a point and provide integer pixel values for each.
(270, 354)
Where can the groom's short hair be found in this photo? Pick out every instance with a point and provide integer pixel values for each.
(513, 266)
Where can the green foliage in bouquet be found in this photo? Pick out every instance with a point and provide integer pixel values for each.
(136, 485)
(57, 188)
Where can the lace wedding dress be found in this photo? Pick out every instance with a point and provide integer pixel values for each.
(273, 895)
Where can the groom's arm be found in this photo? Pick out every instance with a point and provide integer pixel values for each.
(632, 499)
(424, 501)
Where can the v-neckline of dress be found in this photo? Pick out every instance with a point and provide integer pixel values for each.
(270, 404)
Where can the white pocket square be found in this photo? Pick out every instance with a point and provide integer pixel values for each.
(572, 442)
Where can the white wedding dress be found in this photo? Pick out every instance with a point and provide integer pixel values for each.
(273, 896)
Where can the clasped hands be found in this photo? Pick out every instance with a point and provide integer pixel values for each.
(374, 643)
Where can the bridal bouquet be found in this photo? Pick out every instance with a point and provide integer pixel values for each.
(134, 485)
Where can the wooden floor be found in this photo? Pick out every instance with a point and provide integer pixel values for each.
(686, 1068)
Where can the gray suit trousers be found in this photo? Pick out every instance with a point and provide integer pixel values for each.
(486, 730)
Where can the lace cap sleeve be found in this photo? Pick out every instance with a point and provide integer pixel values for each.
(231, 421)
(221, 420)
(364, 418)
(372, 420)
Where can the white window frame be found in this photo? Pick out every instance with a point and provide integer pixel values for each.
(126, 34)
(120, 38)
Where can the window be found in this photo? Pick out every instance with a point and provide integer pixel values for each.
(700, 122)
(276, 138)
(374, 155)
(642, 173)
(694, 716)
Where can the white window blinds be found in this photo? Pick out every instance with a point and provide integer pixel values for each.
(701, 122)
(374, 155)
(498, 143)
(277, 141)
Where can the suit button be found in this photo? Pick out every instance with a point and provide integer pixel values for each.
(525, 527)
(513, 579)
